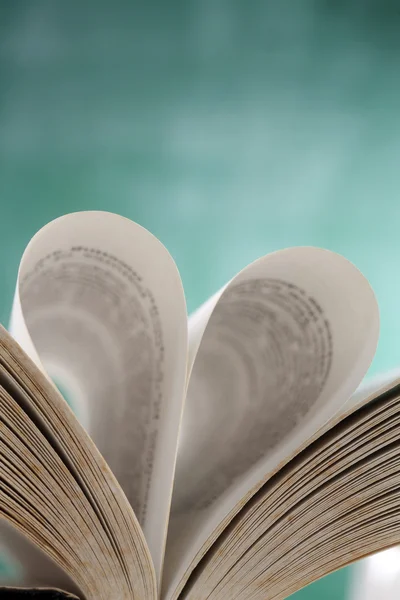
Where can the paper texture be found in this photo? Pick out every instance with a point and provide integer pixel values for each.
(274, 356)
(266, 363)
(100, 308)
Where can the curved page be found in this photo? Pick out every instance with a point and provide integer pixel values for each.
(99, 307)
(274, 356)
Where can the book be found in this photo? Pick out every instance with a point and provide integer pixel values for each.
(231, 454)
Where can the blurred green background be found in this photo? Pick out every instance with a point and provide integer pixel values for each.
(228, 128)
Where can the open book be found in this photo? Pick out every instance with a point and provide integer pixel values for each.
(220, 456)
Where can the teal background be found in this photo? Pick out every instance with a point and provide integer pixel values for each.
(228, 128)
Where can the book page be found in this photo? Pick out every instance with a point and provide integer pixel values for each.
(274, 356)
(100, 308)
(371, 388)
(336, 501)
(58, 491)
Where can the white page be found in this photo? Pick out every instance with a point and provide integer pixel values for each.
(372, 387)
(288, 342)
(99, 306)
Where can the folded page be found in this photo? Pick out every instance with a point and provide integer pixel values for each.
(100, 308)
(274, 356)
